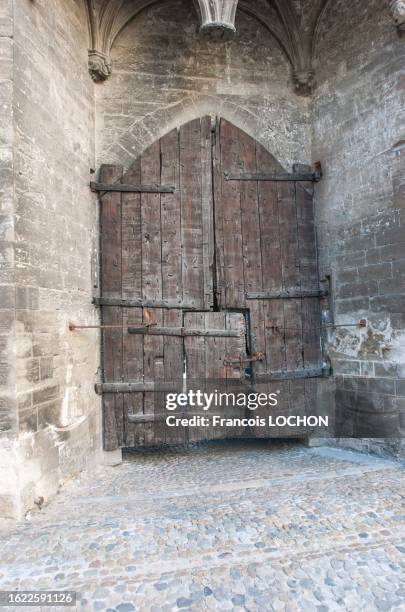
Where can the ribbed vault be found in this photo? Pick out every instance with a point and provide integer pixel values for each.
(294, 23)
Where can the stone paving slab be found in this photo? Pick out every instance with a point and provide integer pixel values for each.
(226, 526)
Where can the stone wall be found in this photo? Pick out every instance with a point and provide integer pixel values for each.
(53, 412)
(8, 400)
(165, 74)
(358, 117)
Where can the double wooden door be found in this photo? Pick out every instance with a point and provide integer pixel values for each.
(208, 271)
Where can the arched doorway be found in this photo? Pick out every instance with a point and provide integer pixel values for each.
(207, 238)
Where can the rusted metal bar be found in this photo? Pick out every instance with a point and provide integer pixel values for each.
(73, 326)
(139, 303)
(321, 372)
(182, 331)
(285, 295)
(311, 177)
(135, 387)
(229, 361)
(360, 324)
(126, 188)
(150, 320)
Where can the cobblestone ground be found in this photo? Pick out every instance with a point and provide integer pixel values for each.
(263, 526)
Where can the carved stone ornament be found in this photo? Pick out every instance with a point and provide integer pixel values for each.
(304, 81)
(217, 18)
(99, 66)
(397, 8)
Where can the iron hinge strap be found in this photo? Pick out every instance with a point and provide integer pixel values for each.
(127, 188)
(305, 177)
(321, 372)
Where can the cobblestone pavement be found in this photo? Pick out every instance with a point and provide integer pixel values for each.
(232, 526)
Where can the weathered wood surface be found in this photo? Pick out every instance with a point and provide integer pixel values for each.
(206, 367)
(223, 237)
(111, 285)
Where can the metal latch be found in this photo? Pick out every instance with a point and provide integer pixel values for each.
(239, 360)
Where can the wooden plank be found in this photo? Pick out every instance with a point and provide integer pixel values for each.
(290, 258)
(269, 313)
(131, 238)
(269, 225)
(250, 225)
(173, 362)
(312, 349)
(257, 337)
(219, 249)
(182, 331)
(113, 408)
(172, 287)
(232, 222)
(131, 188)
(311, 314)
(191, 213)
(208, 240)
(236, 346)
(273, 177)
(152, 281)
(215, 351)
(293, 334)
(306, 237)
(132, 346)
(195, 356)
(273, 314)
(132, 371)
(110, 222)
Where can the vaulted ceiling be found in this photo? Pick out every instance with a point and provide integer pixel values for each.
(294, 23)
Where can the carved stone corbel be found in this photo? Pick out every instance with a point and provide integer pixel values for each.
(304, 81)
(99, 66)
(217, 18)
(397, 8)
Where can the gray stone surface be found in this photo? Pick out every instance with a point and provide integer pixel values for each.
(49, 413)
(358, 118)
(226, 526)
(165, 74)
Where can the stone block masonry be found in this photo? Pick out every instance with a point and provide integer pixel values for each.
(49, 414)
(165, 74)
(358, 125)
(8, 400)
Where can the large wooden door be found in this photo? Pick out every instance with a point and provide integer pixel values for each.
(203, 256)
